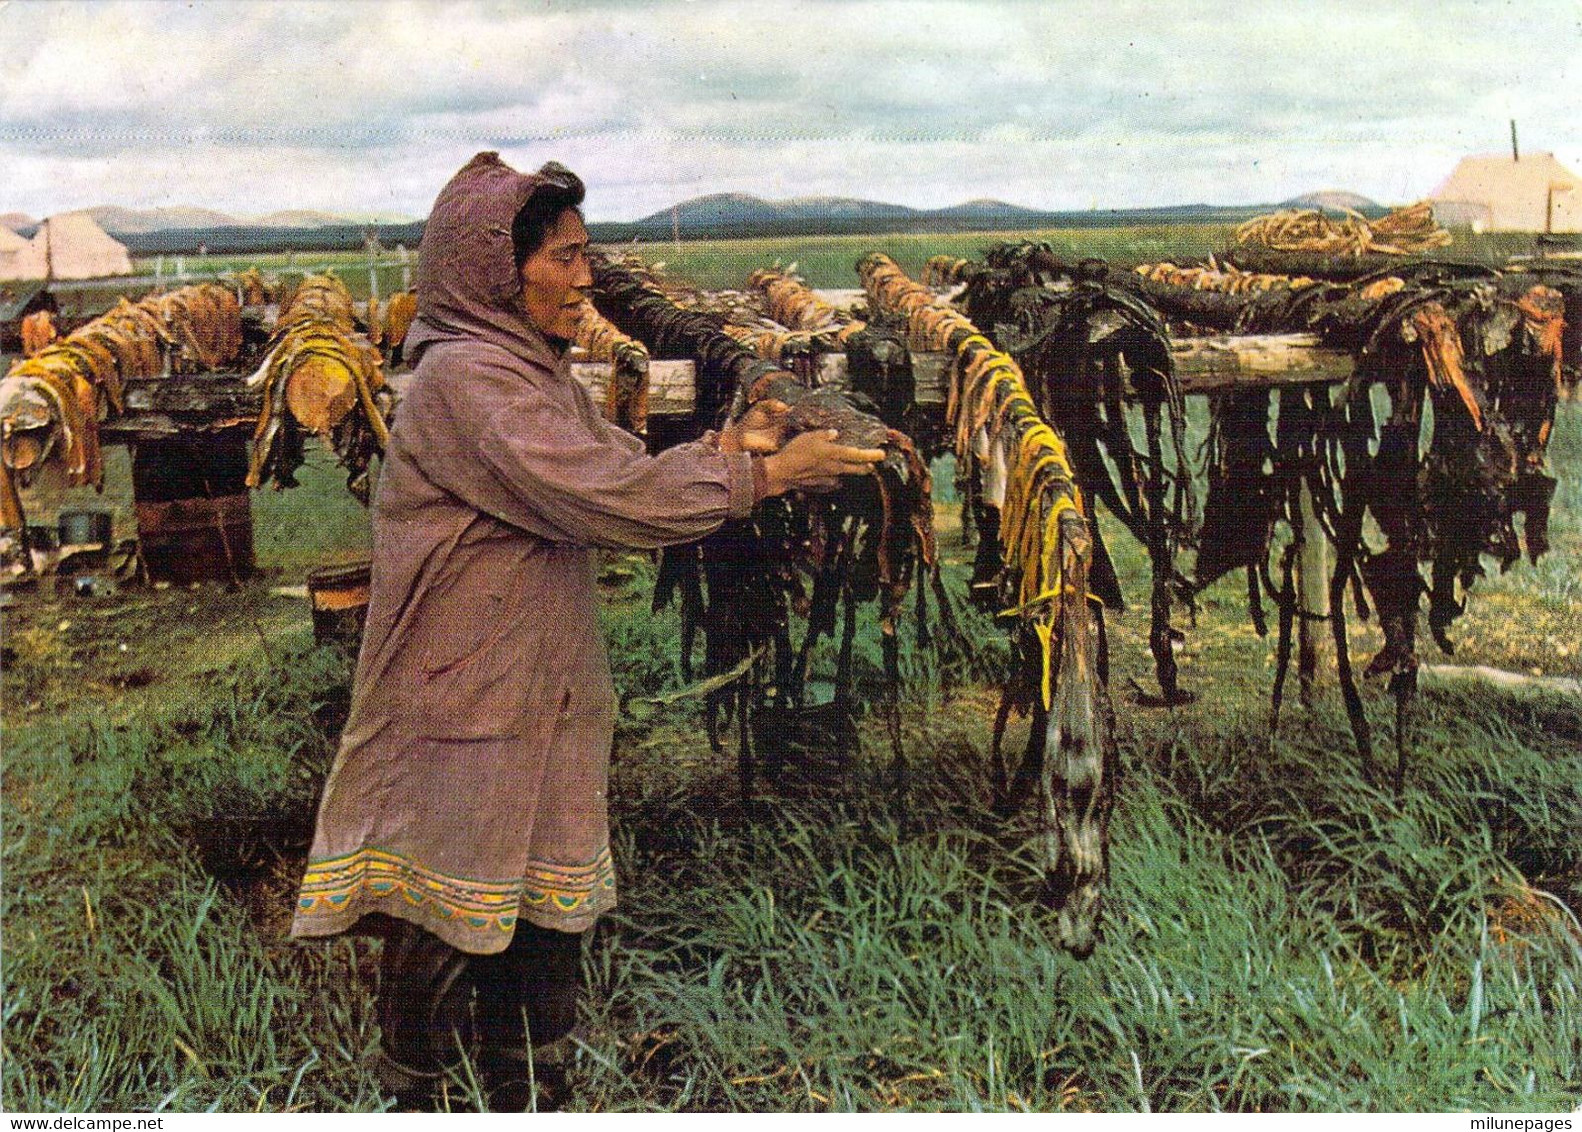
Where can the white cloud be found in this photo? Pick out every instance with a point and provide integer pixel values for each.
(250, 106)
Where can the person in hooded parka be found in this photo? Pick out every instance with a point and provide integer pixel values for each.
(464, 819)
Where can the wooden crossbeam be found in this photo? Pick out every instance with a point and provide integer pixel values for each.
(1208, 365)
(1202, 365)
(215, 402)
(670, 385)
(171, 406)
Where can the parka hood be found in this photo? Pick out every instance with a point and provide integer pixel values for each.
(467, 283)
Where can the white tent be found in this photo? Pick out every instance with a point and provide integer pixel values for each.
(1494, 193)
(11, 246)
(68, 246)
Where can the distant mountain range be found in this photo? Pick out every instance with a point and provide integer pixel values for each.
(740, 214)
(183, 230)
(113, 218)
(718, 213)
(117, 220)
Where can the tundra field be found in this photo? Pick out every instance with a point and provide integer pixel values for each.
(1279, 933)
(826, 261)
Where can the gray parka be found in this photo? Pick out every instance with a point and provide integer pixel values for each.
(469, 788)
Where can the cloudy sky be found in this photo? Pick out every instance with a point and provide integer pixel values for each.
(367, 107)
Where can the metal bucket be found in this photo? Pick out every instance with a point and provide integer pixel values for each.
(84, 528)
(339, 597)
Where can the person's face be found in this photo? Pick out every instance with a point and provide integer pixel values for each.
(554, 275)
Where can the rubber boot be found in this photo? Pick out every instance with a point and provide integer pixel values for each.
(527, 1012)
(422, 1007)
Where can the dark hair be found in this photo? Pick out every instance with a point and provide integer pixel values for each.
(558, 189)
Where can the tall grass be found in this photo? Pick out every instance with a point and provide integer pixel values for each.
(1317, 948)
(135, 978)
(1280, 934)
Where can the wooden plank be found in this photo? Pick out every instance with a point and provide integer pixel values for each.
(931, 373)
(216, 401)
(212, 402)
(1205, 365)
(170, 406)
(671, 384)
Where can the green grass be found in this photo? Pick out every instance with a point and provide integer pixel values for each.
(824, 261)
(827, 261)
(318, 523)
(135, 978)
(826, 962)
(1279, 935)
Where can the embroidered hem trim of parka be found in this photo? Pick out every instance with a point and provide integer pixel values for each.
(331, 884)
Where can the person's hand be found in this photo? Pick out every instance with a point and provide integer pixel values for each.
(813, 461)
(760, 429)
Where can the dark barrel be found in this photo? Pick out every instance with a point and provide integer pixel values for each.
(194, 514)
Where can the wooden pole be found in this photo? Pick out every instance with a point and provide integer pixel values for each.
(169, 405)
(1312, 595)
(370, 245)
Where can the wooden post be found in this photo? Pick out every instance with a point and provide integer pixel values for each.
(1312, 595)
(404, 259)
